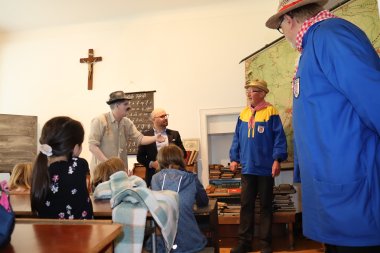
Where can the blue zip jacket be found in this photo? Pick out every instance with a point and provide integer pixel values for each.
(189, 238)
(256, 150)
(336, 134)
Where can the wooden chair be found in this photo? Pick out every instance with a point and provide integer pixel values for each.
(139, 170)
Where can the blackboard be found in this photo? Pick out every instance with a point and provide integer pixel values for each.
(18, 140)
(142, 104)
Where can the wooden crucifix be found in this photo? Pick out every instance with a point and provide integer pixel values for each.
(90, 61)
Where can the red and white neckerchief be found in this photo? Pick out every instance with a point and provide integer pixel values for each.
(325, 14)
(251, 122)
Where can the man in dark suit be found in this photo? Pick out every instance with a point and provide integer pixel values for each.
(146, 154)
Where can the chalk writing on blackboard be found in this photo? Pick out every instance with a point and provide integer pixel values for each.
(142, 104)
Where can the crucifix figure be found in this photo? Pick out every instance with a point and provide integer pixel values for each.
(90, 61)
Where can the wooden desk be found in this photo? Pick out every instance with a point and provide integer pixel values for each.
(63, 238)
(102, 210)
(210, 215)
(288, 218)
(21, 206)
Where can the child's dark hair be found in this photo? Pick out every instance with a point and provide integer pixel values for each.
(61, 134)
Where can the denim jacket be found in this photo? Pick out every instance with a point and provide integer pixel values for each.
(189, 238)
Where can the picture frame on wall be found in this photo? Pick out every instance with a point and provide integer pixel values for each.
(191, 144)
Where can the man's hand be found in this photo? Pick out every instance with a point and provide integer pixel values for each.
(154, 165)
(160, 138)
(233, 166)
(276, 168)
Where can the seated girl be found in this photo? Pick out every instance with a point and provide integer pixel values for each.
(59, 188)
(19, 182)
(104, 170)
(173, 176)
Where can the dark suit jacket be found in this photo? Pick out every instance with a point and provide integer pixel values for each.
(148, 153)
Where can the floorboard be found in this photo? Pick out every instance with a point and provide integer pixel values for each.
(280, 245)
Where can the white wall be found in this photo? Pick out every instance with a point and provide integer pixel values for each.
(189, 57)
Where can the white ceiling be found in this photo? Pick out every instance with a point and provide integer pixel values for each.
(17, 15)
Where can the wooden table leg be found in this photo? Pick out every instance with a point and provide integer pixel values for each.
(154, 235)
(291, 235)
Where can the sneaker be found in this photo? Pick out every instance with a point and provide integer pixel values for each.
(241, 248)
(266, 250)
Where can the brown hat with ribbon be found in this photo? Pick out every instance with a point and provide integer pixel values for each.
(260, 84)
(117, 96)
(287, 5)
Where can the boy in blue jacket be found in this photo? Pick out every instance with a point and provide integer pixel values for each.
(259, 145)
(173, 176)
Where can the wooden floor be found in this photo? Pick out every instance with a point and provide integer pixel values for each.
(280, 244)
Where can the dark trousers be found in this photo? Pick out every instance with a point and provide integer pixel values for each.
(344, 249)
(148, 176)
(251, 186)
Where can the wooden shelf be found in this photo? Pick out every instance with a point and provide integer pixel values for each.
(223, 194)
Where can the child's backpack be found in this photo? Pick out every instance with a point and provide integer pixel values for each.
(7, 217)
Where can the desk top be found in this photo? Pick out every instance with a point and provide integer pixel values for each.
(62, 238)
(102, 208)
(21, 206)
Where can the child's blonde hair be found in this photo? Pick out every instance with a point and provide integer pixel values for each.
(104, 170)
(21, 177)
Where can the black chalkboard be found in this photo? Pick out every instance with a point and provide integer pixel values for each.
(142, 104)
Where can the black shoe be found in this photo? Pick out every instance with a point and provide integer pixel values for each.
(241, 248)
(266, 250)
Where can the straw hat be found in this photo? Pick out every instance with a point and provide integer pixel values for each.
(260, 84)
(287, 5)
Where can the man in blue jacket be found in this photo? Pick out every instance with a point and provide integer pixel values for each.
(336, 124)
(259, 145)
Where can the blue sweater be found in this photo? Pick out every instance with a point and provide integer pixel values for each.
(256, 150)
(336, 133)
